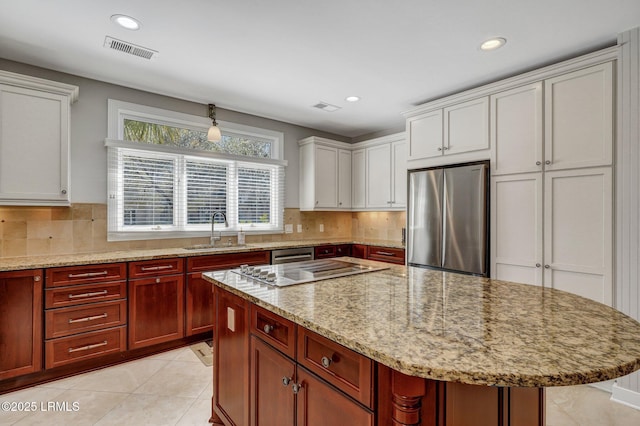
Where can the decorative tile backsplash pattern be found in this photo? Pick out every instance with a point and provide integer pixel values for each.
(82, 228)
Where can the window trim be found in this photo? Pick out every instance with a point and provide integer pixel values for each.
(118, 111)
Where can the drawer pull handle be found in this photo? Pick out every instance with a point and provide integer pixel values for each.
(296, 387)
(384, 253)
(326, 362)
(91, 294)
(89, 274)
(286, 381)
(156, 268)
(268, 328)
(85, 319)
(88, 347)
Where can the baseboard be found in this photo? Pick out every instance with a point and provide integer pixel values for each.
(625, 396)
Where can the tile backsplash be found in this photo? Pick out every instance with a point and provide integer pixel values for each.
(82, 228)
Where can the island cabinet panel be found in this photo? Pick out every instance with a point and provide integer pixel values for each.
(85, 312)
(156, 302)
(272, 397)
(231, 359)
(199, 293)
(318, 404)
(20, 323)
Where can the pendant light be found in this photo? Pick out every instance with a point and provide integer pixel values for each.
(213, 135)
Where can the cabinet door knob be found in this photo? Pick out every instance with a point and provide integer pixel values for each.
(268, 328)
(296, 387)
(439, 149)
(547, 162)
(326, 362)
(547, 267)
(538, 265)
(64, 191)
(445, 148)
(538, 163)
(286, 381)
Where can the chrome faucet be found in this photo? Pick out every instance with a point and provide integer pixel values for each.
(213, 238)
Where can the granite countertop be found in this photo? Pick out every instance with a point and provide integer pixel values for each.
(34, 262)
(453, 327)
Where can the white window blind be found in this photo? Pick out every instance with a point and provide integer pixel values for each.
(159, 192)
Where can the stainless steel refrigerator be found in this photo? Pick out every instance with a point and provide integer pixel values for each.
(447, 218)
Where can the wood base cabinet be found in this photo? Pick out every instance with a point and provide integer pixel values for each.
(156, 302)
(20, 323)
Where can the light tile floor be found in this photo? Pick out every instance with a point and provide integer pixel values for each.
(174, 388)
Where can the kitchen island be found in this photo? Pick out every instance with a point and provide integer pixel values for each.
(445, 348)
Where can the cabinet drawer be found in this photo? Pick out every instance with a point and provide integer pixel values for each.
(345, 369)
(227, 260)
(58, 277)
(386, 254)
(323, 252)
(343, 250)
(74, 320)
(84, 346)
(273, 329)
(59, 297)
(153, 268)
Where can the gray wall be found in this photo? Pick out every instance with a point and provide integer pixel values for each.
(89, 129)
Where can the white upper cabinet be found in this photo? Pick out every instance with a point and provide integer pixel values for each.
(466, 127)
(34, 140)
(325, 174)
(358, 178)
(344, 179)
(455, 129)
(579, 118)
(386, 175)
(516, 130)
(425, 135)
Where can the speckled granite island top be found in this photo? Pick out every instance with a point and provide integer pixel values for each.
(452, 327)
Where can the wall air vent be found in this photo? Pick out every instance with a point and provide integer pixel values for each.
(130, 48)
(326, 106)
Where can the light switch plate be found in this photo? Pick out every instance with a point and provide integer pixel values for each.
(288, 228)
(299, 228)
(321, 227)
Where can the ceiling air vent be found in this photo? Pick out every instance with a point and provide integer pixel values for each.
(130, 48)
(326, 106)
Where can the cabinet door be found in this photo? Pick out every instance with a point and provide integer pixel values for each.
(344, 179)
(318, 404)
(579, 118)
(516, 131)
(326, 184)
(231, 358)
(20, 323)
(516, 228)
(156, 310)
(425, 135)
(272, 397)
(358, 178)
(378, 189)
(466, 126)
(578, 232)
(199, 305)
(34, 125)
(399, 175)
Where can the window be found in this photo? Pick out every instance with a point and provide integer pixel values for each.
(169, 180)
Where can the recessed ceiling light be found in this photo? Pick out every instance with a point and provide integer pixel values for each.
(352, 98)
(126, 22)
(493, 43)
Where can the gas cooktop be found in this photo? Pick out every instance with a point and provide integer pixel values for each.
(303, 272)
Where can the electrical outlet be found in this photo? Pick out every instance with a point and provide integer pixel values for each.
(288, 228)
(299, 228)
(321, 227)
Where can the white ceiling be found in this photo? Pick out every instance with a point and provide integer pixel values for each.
(277, 58)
